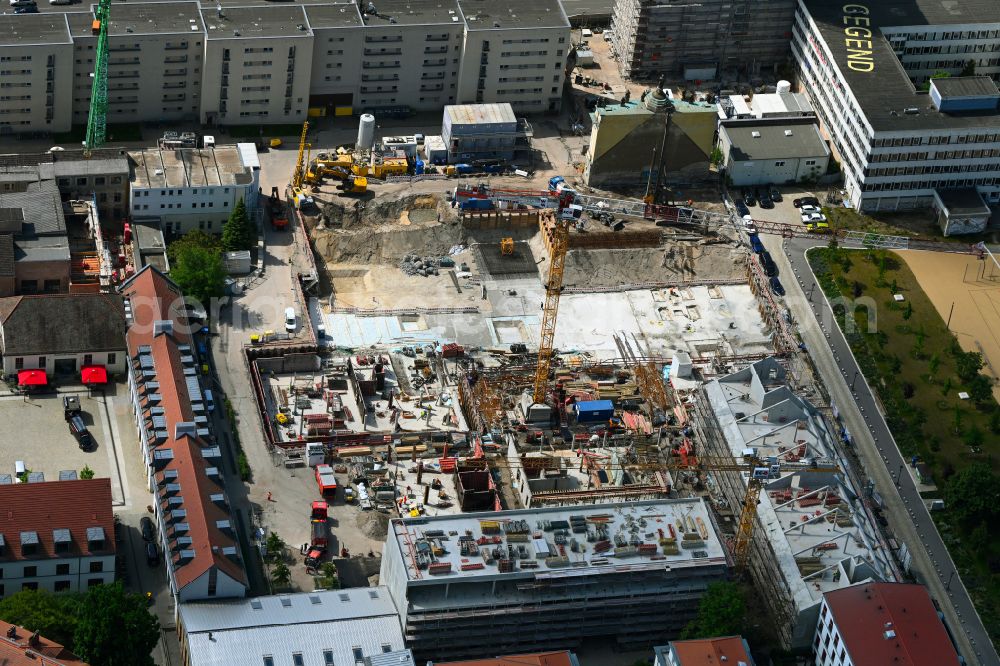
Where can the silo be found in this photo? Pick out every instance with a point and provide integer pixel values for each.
(366, 132)
(784, 86)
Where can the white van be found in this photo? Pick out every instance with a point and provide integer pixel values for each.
(587, 33)
(290, 324)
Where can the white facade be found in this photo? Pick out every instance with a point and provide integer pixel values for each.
(895, 149)
(194, 188)
(269, 64)
(828, 646)
(64, 574)
(114, 362)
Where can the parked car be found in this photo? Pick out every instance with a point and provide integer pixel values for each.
(765, 199)
(742, 209)
(21, 3)
(776, 286)
(806, 210)
(755, 244)
(775, 193)
(748, 198)
(26, 9)
(152, 554)
(820, 227)
(812, 218)
(770, 268)
(78, 429)
(805, 201)
(290, 323)
(147, 528)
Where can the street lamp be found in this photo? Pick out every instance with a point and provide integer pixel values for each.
(948, 584)
(856, 373)
(899, 474)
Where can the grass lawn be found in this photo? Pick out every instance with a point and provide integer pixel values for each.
(914, 224)
(916, 367)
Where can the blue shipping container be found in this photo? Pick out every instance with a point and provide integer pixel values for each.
(590, 411)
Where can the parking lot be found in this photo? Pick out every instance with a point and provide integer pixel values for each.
(784, 211)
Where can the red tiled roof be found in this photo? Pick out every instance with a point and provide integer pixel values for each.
(864, 613)
(53, 505)
(560, 658)
(153, 297)
(710, 651)
(19, 650)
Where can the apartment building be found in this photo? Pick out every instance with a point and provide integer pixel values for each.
(36, 56)
(813, 533)
(230, 65)
(196, 530)
(902, 138)
(56, 536)
(155, 53)
(548, 578)
(193, 188)
(700, 40)
(873, 624)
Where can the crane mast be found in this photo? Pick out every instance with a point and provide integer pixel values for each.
(97, 118)
(550, 310)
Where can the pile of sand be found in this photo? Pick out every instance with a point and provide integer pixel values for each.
(373, 524)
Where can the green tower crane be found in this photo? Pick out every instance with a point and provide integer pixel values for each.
(97, 120)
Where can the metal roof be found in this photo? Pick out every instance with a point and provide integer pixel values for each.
(474, 114)
(766, 140)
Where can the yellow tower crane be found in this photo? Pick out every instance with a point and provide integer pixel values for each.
(550, 310)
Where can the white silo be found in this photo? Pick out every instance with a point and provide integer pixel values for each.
(366, 132)
(784, 86)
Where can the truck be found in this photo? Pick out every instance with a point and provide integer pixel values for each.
(326, 481)
(276, 207)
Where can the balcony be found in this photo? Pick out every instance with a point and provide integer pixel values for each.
(173, 59)
(383, 52)
(435, 49)
(389, 39)
(379, 65)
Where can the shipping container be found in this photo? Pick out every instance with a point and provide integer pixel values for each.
(591, 411)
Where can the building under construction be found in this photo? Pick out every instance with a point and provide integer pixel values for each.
(516, 581)
(699, 41)
(814, 532)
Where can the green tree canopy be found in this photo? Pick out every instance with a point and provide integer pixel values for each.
(199, 272)
(722, 612)
(115, 628)
(974, 494)
(86, 472)
(238, 233)
(53, 616)
(193, 239)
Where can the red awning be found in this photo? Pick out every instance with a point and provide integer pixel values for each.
(94, 374)
(32, 378)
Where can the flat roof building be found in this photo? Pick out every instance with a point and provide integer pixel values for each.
(814, 533)
(899, 134)
(349, 626)
(777, 150)
(548, 578)
(873, 624)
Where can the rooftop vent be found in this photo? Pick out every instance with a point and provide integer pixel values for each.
(788, 132)
(755, 134)
(163, 326)
(255, 604)
(889, 634)
(911, 111)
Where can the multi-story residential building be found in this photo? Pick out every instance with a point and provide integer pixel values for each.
(36, 57)
(548, 578)
(231, 65)
(56, 536)
(700, 40)
(814, 533)
(196, 529)
(21, 647)
(193, 188)
(704, 652)
(154, 62)
(873, 624)
(867, 68)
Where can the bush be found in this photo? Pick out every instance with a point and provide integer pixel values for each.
(246, 474)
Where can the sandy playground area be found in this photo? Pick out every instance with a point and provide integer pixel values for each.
(973, 285)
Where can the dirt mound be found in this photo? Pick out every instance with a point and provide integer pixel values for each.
(386, 244)
(677, 261)
(373, 524)
(381, 210)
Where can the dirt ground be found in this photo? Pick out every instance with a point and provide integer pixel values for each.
(973, 286)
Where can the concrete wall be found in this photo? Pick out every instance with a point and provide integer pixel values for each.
(39, 272)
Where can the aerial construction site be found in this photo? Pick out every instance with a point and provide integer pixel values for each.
(492, 339)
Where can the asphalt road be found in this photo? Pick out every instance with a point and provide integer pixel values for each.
(909, 518)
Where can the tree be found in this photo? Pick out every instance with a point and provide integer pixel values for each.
(281, 575)
(974, 494)
(193, 239)
(199, 273)
(968, 364)
(969, 69)
(722, 612)
(275, 546)
(973, 437)
(833, 243)
(981, 389)
(329, 581)
(238, 233)
(115, 628)
(86, 472)
(53, 616)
